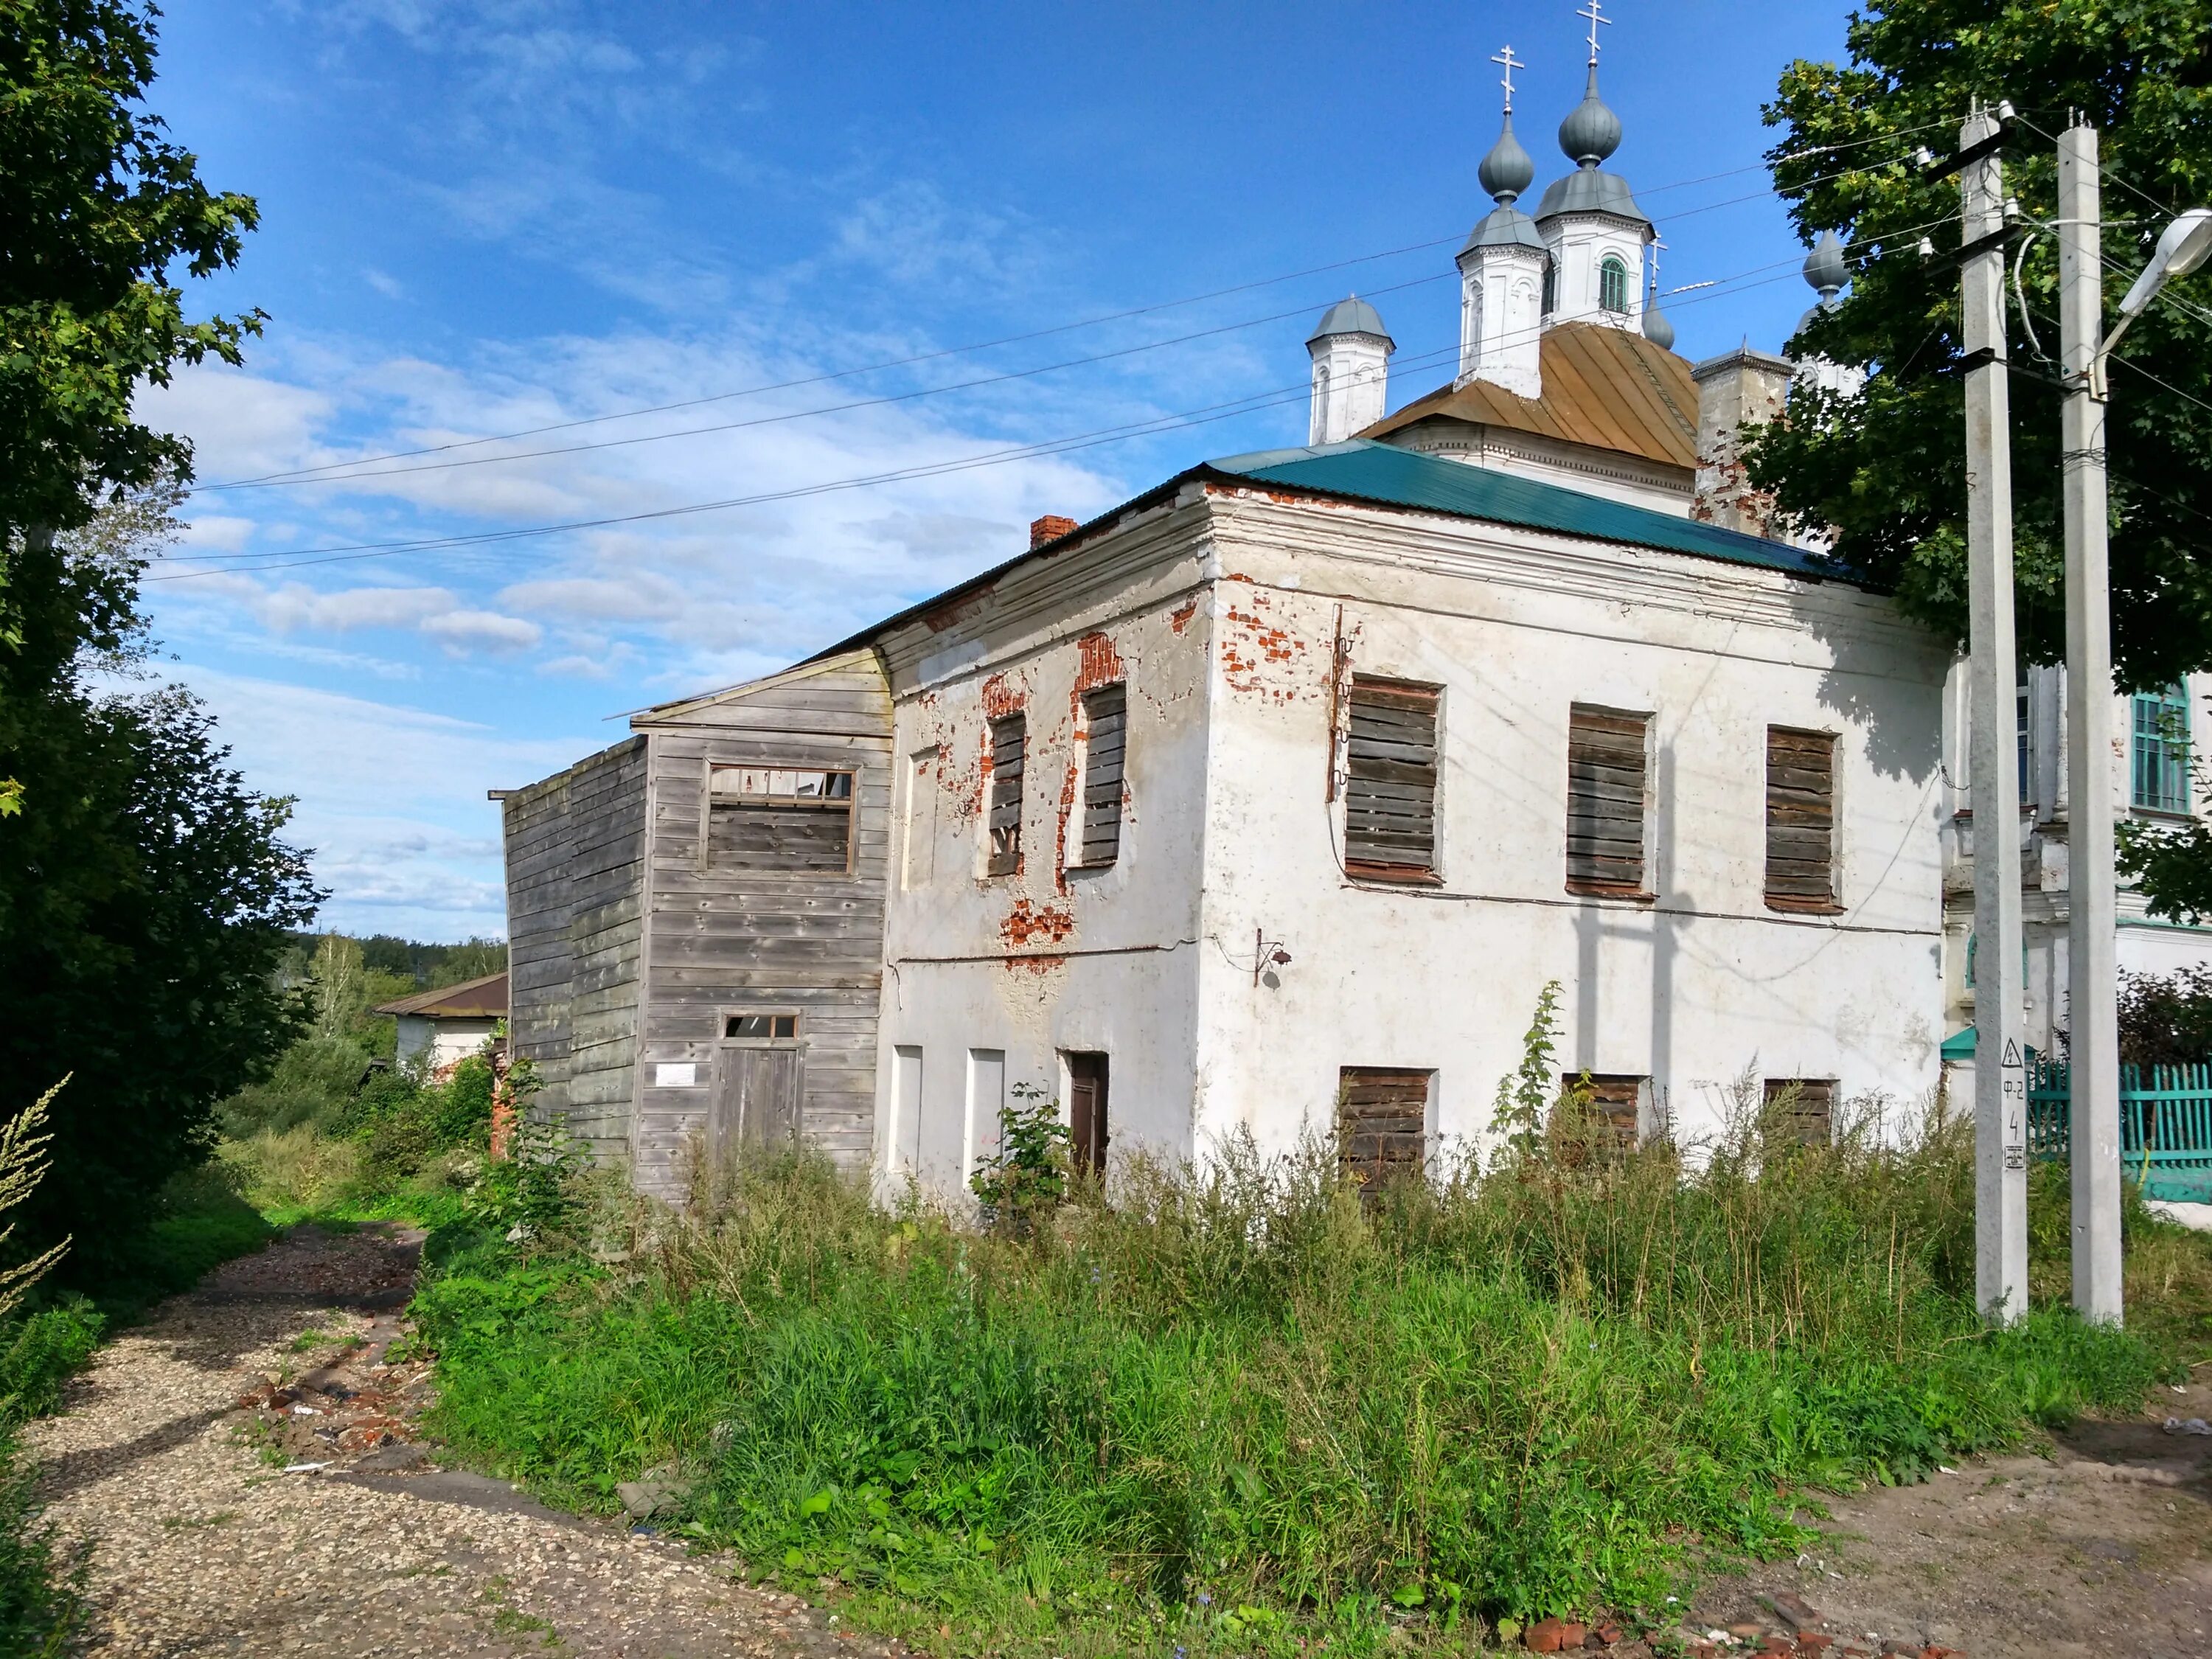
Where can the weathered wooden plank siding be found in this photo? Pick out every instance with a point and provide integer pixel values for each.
(575, 850)
(722, 941)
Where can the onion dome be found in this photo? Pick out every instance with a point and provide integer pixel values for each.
(1826, 271)
(1656, 328)
(1351, 315)
(1508, 169)
(1825, 267)
(1591, 132)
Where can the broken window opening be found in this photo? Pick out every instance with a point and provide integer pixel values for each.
(1106, 721)
(1606, 782)
(763, 818)
(766, 1027)
(1009, 741)
(1390, 782)
(1801, 820)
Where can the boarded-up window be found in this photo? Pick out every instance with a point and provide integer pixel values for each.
(1616, 1100)
(1382, 1121)
(1801, 820)
(1106, 716)
(761, 817)
(1391, 781)
(1009, 742)
(1805, 1108)
(1606, 769)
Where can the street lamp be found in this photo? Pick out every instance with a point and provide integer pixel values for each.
(2182, 247)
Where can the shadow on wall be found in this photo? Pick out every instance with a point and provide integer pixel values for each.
(1862, 687)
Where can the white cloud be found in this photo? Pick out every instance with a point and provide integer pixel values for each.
(295, 605)
(486, 630)
(391, 797)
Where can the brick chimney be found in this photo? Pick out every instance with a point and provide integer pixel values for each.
(1049, 528)
(1741, 388)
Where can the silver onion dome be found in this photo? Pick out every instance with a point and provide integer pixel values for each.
(1508, 169)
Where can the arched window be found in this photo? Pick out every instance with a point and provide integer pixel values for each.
(1613, 285)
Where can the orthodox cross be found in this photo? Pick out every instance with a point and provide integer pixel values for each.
(1511, 64)
(1595, 18)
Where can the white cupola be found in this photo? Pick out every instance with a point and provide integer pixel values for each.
(1350, 352)
(1501, 272)
(1595, 232)
(1828, 272)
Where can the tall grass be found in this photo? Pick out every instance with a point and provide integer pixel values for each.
(1241, 1399)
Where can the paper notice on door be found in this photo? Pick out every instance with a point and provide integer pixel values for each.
(676, 1075)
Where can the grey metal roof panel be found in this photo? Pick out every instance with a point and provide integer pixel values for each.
(1504, 227)
(1590, 189)
(1350, 316)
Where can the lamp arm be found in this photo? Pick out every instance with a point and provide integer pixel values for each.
(2098, 388)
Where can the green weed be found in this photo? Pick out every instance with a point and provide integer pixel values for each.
(1240, 1407)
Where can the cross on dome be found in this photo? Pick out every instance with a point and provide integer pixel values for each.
(1597, 18)
(1511, 64)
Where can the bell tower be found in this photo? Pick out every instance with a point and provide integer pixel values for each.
(1501, 271)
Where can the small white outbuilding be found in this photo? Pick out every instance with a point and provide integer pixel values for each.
(449, 1023)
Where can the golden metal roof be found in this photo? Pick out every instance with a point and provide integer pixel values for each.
(1604, 387)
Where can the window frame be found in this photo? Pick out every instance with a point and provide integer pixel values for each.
(2152, 746)
(708, 864)
(1771, 1087)
(1002, 860)
(1788, 904)
(1118, 693)
(1349, 1076)
(1586, 886)
(1383, 687)
(795, 1037)
(1611, 285)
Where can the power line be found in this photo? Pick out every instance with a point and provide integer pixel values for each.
(349, 470)
(1251, 403)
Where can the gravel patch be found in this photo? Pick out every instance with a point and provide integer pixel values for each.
(171, 1457)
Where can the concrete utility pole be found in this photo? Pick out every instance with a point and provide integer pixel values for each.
(2000, 1056)
(2092, 968)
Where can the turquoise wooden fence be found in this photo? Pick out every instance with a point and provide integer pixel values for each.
(2165, 1126)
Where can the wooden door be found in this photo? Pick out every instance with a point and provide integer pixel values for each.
(1086, 1111)
(756, 1103)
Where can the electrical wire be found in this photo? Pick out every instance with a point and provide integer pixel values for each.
(249, 562)
(349, 471)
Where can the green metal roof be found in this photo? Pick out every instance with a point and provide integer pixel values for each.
(1363, 471)
(1960, 1045)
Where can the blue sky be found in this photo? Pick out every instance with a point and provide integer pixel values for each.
(479, 219)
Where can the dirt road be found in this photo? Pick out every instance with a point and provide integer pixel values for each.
(204, 1543)
(2098, 1549)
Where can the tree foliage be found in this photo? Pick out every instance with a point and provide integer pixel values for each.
(145, 890)
(1886, 471)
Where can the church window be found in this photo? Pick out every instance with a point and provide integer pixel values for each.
(1551, 287)
(1390, 782)
(1605, 783)
(1613, 285)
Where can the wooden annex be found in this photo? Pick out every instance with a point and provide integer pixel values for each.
(695, 922)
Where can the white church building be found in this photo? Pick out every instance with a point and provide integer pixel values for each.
(1271, 800)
